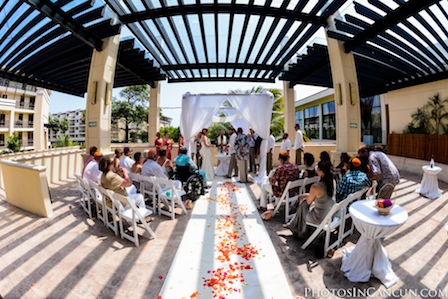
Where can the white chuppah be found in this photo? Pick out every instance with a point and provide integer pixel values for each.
(199, 111)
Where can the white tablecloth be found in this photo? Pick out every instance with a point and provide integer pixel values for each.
(369, 257)
(223, 168)
(430, 186)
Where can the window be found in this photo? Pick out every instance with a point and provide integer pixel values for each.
(22, 101)
(311, 120)
(2, 119)
(299, 118)
(328, 121)
(21, 116)
(30, 136)
(371, 117)
(4, 96)
(32, 102)
(2, 139)
(20, 135)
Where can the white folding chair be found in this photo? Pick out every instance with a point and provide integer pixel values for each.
(133, 215)
(98, 200)
(110, 210)
(85, 195)
(289, 200)
(328, 224)
(169, 195)
(346, 215)
(147, 189)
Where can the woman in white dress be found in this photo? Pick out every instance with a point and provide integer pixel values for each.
(207, 161)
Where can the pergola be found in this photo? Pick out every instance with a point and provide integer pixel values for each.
(391, 44)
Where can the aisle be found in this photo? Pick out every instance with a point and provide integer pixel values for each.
(226, 251)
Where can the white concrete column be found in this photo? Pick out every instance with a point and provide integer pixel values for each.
(290, 110)
(99, 95)
(153, 114)
(345, 84)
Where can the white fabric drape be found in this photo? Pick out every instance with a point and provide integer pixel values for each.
(197, 112)
(255, 109)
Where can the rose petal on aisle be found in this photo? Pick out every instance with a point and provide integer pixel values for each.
(226, 251)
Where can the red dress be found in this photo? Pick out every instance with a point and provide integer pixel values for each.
(158, 144)
(168, 145)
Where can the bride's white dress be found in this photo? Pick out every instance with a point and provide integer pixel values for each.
(207, 160)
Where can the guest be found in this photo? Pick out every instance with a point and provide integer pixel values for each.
(206, 154)
(344, 164)
(233, 166)
(198, 149)
(382, 169)
(180, 143)
(251, 150)
(258, 141)
(139, 160)
(119, 183)
(158, 143)
(242, 154)
(117, 158)
(325, 156)
(183, 160)
(152, 168)
(321, 194)
(298, 144)
(221, 141)
(283, 174)
(353, 181)
(90, 158)
(285, 146)
(168, 144)
(310, 169)
(92, 171)
(270, 149)
(167, 165)
(126, 161)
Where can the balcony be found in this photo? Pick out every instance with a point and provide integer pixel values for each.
(4, 125)
(29, 142)
(18, 124)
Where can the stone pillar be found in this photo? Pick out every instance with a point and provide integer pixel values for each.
(290, 116)
(154, 114)
(345, 84)
(99, 95)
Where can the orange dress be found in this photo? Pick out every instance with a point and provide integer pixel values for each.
(167, 143)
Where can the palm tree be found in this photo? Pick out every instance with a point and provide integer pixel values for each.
(437, 113)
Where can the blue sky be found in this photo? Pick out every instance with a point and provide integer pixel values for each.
(171, 95)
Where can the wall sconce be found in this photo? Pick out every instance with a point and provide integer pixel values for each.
(339, 94)
(93, 90)
(353, 92)
(107, 95)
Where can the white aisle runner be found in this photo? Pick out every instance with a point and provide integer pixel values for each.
(226, 251)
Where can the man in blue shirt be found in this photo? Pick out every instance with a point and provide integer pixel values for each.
(353, 181)
(183, 160)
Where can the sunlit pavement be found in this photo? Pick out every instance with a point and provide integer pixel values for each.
(71, 256)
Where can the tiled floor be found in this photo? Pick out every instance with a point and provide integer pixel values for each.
(71, 256)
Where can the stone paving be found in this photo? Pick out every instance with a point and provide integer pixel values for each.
(71, 256)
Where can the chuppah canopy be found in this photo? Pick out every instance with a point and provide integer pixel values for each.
(256, 109)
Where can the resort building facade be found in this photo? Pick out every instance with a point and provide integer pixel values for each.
(380, 114)
(24, 110)
(76, 125)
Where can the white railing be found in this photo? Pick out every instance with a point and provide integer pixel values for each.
(60, 163)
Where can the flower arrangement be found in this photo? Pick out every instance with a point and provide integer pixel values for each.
(384, 206)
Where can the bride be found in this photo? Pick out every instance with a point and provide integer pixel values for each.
(207, 161)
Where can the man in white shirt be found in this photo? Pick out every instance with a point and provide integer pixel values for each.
(270, 149)
(231, 150)
(285, 146)
(92, 171)
(298, 144)
(152, 168)
(127, 161)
